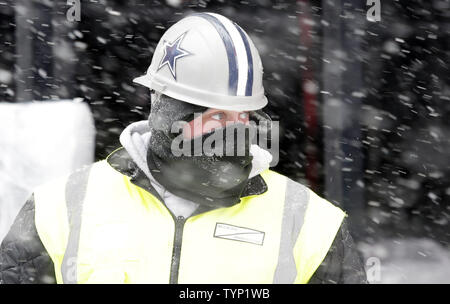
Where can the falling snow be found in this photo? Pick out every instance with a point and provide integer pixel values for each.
(394, 93)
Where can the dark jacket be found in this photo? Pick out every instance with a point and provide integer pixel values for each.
(23, 258)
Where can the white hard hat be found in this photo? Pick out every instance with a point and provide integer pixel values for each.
(208, 60)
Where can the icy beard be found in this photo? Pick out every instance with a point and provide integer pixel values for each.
(215, 181)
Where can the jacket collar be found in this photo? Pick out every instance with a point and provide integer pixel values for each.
(121, 161)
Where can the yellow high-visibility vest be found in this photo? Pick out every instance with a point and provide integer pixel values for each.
(109, 230)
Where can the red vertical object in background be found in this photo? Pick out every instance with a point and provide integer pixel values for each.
(309, 92)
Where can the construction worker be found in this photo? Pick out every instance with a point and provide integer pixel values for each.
(148, 214)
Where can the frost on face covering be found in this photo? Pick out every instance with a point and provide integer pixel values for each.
(209, 177)
(215, 180)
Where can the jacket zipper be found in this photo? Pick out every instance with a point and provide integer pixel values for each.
(178, 237)
(175, 265)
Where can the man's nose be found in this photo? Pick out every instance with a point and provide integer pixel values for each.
(233, 116)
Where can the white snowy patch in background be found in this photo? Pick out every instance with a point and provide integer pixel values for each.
(174, 3)
(407, 261)
(63, 50)
(310, 87)
(5, 76)
(40, 141)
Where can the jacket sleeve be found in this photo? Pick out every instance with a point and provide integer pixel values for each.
(23, 258)
(342, 264)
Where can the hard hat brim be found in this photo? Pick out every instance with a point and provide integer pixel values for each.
(142, 80)
(216, 101)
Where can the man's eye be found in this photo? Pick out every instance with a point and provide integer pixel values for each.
(218, 116)
(243, 115)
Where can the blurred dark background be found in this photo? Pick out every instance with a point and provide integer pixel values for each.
(363, 106)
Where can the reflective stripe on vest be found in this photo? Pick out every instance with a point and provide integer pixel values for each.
(98, 227)
(75, 192)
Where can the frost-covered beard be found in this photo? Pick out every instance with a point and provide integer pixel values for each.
(216, 181)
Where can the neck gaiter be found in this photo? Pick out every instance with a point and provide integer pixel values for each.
(216, 180)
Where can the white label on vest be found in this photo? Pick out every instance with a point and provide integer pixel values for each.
(236, 233)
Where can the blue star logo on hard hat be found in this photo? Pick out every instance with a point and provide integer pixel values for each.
(173, 52)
